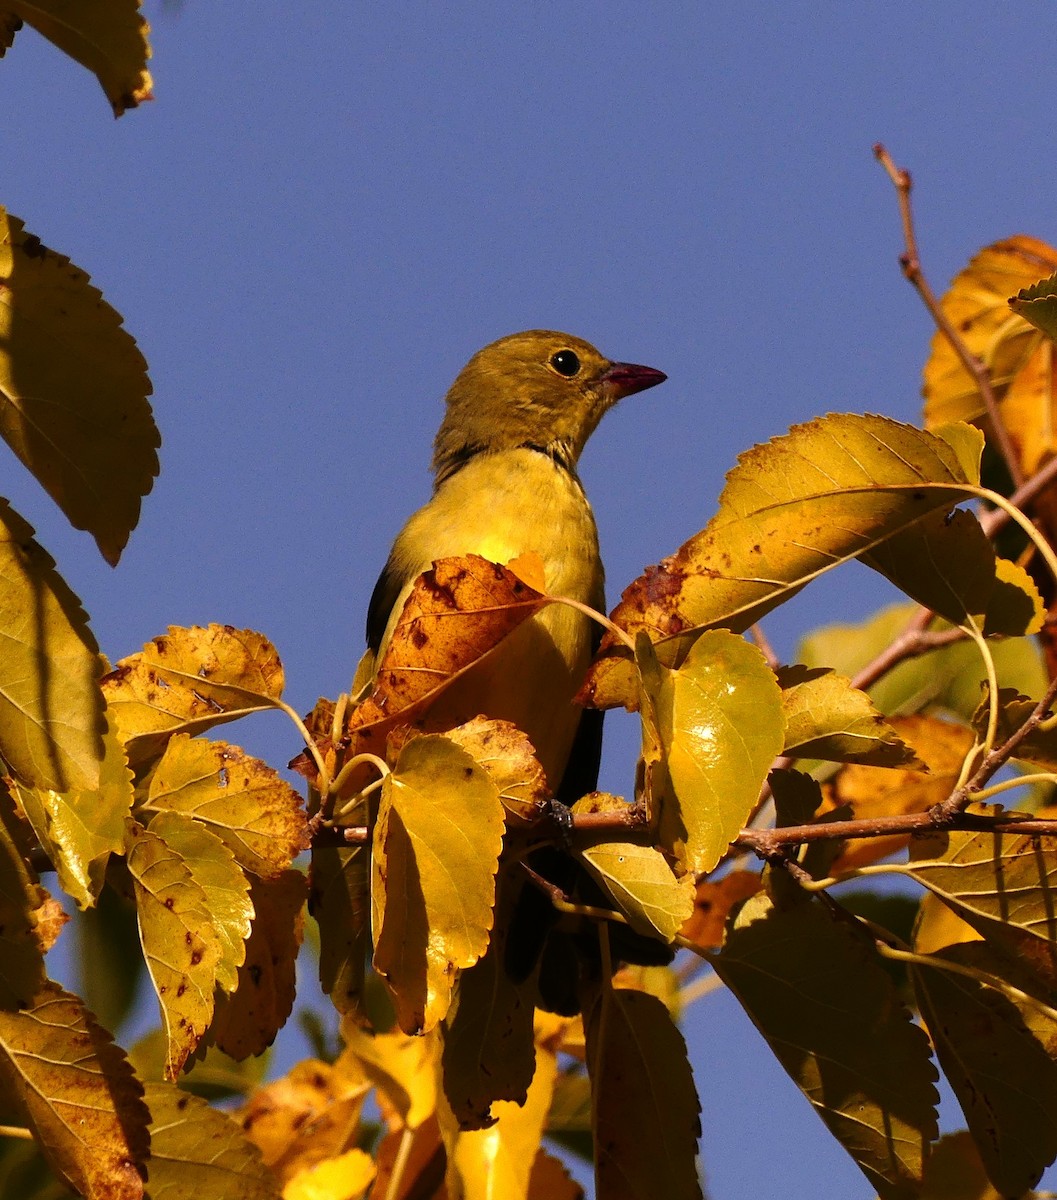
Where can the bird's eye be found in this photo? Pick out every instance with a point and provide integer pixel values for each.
(566, 363)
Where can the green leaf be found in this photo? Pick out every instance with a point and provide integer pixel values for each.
(51, 712)
(73, 385)
(1038, 304)
(77, 1092)
(719, 718)
(436, 851)
(826, 718)
(199, 1152)
(1004, 1076)
(646, 1111)
(949, 677)
(816, 990)
(829, 491)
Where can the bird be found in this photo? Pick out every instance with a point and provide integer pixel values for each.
(506, 485)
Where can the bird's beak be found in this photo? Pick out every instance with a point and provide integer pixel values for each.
(624, 379)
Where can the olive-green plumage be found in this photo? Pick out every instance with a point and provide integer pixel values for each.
(516, 420)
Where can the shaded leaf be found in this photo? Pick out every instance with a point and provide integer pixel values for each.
(73, 386)
(455, 614)
(253, 811)
(1003, 1075)
(198, 1152)
(189, 680)
(954, 1171)
(339, 900)
(225, 887)
(247, 1021)
(713, 902)
(80, 828)
(109, 37)
(436, 850)
(77, 1092)
(51, 713)
(828, 491)
(401, 1067)
(1038, 304)
(22, 898)
(646, 1110)
(180, 945)
(720, 722)
(825, 717)
(816, 990)
(110, 958)
(1039, 747)
(419, 1156)
(551, 1181)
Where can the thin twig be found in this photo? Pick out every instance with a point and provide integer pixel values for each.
(764, 646)
(911, 264)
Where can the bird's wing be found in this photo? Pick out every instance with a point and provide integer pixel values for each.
(390, 584)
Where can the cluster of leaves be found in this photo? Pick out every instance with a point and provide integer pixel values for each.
(874, 757)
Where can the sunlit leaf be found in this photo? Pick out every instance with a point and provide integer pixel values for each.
(189, 680)
(815, 988)
(51, 713)
(246, 803)
(506, 753)
(720, 721)
(81, 827)
(77, 1092)
(436, 849)
(828, 491)
(180, 945)
(109, 37)
(643, 886)
(198, 1151)
(825, 717)
(646, 1110)
(346, 1177)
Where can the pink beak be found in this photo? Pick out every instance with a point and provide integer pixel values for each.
(628, 378)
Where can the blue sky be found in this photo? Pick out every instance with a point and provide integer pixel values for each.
(327, 209)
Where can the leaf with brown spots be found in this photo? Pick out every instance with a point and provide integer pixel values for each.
(247, 1021)
(455, 614)
(435, 854)
(75, 1089)
(180, 945)
(109, 37)
(188, 681)
(255, 812)
(501, 749)
(792, 509)
(197, 1151)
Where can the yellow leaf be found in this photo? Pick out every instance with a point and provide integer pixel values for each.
(80, 828)
(506, 753)
(109, 37)
(713, 903)
(1016, 355)
(226, 888)
(720, 720)
(77, 1092)
(1038, 304)
(73, 390)
(303, 1118)
(200, 1153)
(954, 1171)
(498, 1161)
(815, 988)
(402, 1068)
(253, 811)
(188, 681)
(247, 1021)
(436, 850)
(51, 713)
(180, 945)
(646, 1111)
(826, 492)
(826, 718)
(645, 888)
(346, 1177)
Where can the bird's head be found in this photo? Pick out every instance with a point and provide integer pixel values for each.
(540, 388)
